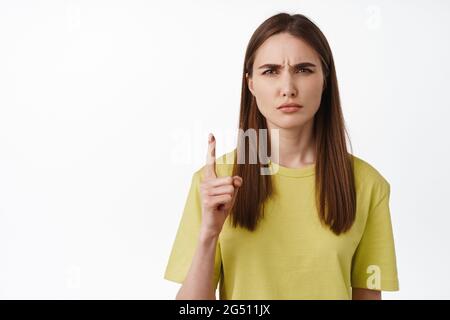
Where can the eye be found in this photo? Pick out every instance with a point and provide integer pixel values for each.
(305, 70)
(265, 72)
(301, 70)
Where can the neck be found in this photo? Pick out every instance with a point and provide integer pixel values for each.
(295, 146)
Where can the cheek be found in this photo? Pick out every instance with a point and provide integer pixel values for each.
(311, 94)
(265, 94)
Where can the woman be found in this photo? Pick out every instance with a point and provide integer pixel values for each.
(318, 225)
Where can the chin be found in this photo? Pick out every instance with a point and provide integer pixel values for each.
(293, 123)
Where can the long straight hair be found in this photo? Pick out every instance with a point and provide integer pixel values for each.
(334, 176)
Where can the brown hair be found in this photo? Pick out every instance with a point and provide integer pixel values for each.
(334, 177)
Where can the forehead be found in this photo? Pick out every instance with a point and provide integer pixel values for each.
(282, 48)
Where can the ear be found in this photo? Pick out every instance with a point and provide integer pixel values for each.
(249, 83)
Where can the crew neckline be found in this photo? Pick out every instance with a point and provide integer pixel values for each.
(305, 171)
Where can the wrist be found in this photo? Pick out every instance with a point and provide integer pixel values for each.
(208, 235)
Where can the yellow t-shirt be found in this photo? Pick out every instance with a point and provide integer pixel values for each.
(291, 255)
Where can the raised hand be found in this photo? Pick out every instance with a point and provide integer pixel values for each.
(217, 194)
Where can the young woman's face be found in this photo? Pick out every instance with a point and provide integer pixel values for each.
(298, 78)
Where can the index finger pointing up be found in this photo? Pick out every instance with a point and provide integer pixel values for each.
(210, 167)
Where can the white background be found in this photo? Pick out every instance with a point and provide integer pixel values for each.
(105, 107)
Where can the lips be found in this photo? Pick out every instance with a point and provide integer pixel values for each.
(289, 105)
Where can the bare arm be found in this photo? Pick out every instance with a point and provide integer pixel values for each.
(365, 294)
(217, 195)
(198, 284)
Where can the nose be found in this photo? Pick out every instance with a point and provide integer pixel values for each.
(288, 88)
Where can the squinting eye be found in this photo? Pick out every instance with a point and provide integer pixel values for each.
(265, 72)
(302, 70)
(305, 70)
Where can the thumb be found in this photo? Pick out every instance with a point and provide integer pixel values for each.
(237, 183)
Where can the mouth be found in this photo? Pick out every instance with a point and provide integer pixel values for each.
(290, 107)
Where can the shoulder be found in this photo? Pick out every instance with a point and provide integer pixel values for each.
(368, 177)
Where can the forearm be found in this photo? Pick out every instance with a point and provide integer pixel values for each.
(365, 294)
(198, 284)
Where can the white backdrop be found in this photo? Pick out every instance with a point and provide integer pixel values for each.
(105, 107)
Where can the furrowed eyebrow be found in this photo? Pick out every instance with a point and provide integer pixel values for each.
(277, 66)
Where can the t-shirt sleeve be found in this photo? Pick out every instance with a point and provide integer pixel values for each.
(374, 262)
(186, 238)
